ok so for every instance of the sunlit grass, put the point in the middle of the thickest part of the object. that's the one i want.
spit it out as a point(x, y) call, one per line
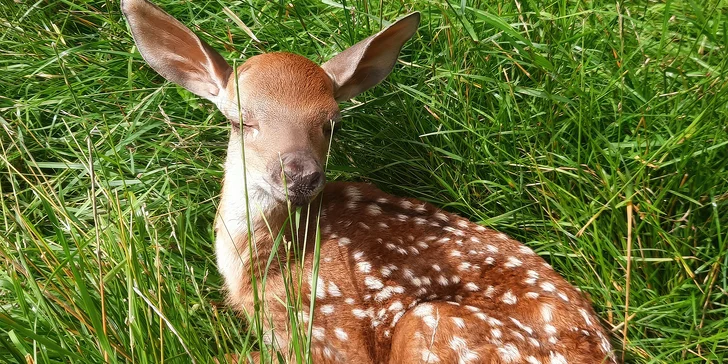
point(551, 121)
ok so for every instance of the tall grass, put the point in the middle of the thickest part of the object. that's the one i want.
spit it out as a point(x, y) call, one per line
point(596, 132)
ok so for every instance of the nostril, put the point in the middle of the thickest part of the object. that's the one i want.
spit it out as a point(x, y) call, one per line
point(314, 179)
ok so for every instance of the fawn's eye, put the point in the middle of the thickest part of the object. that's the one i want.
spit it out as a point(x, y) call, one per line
point(327, 128)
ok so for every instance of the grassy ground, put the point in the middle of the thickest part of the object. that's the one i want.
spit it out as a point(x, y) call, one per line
point(596, 132)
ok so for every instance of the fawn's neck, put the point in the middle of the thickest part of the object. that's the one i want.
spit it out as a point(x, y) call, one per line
point(246, 228)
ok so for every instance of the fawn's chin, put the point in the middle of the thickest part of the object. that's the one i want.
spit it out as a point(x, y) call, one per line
point(296, 199)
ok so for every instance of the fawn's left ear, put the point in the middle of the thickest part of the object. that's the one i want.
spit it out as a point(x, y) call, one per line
point(365, 64)
point(175, 52)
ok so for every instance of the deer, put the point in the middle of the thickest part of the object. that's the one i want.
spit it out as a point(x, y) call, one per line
point(396, 280)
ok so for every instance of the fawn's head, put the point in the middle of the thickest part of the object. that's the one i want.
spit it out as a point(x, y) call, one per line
point(282, 104)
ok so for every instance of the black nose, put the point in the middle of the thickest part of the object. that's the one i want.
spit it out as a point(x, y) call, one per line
point(303, 176)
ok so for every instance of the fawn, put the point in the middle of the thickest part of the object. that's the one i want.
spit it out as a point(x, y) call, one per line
point(399, 281)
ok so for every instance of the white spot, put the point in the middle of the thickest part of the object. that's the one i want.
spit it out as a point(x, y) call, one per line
point(513, 262)
point(463, 224)
point(471, 308)
point(359, 313)
point(384, 294)
point(464, 266)
point(491, 248)
point(530, 281)
point(344, 241)
point(431, 321)
point(509, 353)
point(465, 355)
point(496, 333)
point(522, 326)
point(422, 245)
point(563, 296)
point(489, 291)
point(548, 286)
point(413, 250)
point(494, 322)
point(481, 316)
point(320, 287)
point(396, 317)
point(383, 225)
point(557, 358)
point(525, 250)
point(532, 360)
point(382, 200)
point(502, 236)
point(349, 301)
point(436, 267)
point(401, 251)
point(421, 292)
point(550, 329)
point(443, 281)
point(358, 255)
point(327, 309)
point(429, 357)
point(318, 332)
point(406, 204)
point(456, 254)
point(509, 298)
point(480, 228)
point(364, 226)
point(472, 287)
point(391, 246)
point(455, 279)
point(408, 273)
point(374, 209)
point(489, 260)
point(457, 232)
point(532, 295)
point(353, 192)
point(364, 267)
point(547, 312)
point(334, 290)
point(423, 310)
point(328, 353)
point(585, 315)
point(373, 283)
point(458, 322)
point(534, 342)
point(396, 306)
point(441, 216)
point(553, 339)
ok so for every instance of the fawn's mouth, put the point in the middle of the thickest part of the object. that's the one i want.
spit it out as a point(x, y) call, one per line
point(297, 195)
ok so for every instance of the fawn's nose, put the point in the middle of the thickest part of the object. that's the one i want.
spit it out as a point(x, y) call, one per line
point(301, 174)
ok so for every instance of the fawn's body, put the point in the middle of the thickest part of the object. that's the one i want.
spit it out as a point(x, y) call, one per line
point(404, 282)
point(400, 281)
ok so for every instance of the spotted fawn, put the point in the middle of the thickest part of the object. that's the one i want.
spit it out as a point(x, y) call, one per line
point(400, 281)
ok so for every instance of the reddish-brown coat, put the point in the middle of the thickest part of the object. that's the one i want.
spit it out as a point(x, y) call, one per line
point(402, 278)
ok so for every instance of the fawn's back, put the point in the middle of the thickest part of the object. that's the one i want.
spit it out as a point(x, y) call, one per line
point(399, 281)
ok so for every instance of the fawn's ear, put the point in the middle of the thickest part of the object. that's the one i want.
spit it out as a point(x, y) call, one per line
point(365, 64)
point(175, 52)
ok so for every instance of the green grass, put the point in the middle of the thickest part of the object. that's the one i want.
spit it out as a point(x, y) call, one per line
point(553, 121)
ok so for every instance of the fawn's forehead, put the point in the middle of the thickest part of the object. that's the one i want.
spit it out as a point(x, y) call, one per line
point(288, 81)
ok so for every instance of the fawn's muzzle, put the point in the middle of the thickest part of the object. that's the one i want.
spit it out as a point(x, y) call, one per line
point(300, 176)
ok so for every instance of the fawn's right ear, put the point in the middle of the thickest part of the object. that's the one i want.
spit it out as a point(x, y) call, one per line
point(175, 52)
